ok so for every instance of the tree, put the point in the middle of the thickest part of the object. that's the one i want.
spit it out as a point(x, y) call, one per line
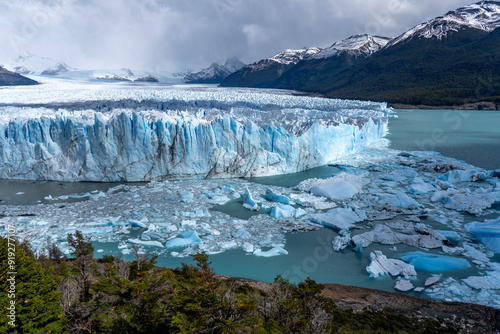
point(80, 245)
point(34, 292)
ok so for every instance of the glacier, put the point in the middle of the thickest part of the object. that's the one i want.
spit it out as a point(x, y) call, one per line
point(91, 133)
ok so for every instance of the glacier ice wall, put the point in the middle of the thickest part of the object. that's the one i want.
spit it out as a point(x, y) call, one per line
point(92, 141)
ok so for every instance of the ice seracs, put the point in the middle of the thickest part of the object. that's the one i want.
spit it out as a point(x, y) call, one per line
point(148, 134)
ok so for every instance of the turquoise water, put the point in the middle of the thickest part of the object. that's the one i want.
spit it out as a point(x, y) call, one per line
point(469, 135)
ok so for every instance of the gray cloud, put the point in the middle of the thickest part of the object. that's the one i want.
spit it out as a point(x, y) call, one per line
point(175, 34)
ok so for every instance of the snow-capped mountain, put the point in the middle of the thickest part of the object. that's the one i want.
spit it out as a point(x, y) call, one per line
point(30, 64)
point(484, 15)
point(358, 45)
point(442, 62)
point(123, 74)
point(215, 73)
point(286, 57)
point(290, 56)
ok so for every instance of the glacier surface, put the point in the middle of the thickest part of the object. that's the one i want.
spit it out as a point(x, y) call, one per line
point(93, 133)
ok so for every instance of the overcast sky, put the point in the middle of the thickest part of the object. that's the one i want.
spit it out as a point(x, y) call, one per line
point(175, 34)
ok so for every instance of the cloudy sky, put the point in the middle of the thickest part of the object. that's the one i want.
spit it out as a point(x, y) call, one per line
point(175, 34)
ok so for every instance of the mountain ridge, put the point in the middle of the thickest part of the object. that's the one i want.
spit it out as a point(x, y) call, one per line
point(449, 60)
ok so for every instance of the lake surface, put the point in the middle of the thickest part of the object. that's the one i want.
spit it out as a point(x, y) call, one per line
point(469, 135)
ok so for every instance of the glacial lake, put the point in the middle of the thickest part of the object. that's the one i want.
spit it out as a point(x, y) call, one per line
point(472, 136)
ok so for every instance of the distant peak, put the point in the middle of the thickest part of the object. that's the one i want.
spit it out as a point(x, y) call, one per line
point(356, 45)
point(483, 15)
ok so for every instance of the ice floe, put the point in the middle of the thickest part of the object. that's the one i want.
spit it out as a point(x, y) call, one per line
point(434, 262)
point(486, 233)
point(380, 265)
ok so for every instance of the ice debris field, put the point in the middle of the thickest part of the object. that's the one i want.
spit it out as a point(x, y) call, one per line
point(439, 215)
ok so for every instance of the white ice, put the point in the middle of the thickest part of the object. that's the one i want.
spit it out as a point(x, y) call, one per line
point(339, 219)
point(380, 265)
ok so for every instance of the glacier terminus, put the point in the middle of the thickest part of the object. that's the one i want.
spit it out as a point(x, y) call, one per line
point(85, 132)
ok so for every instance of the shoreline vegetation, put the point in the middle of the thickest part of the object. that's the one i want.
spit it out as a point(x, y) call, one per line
point(83, 294)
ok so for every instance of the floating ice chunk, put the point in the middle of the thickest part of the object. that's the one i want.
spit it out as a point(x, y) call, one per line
point(242, 234)
point(168, 227)
point(385, 235)
point(286, 211)
point(275, 196)
point(475, 254)
point(454, 176)
point(190, 224)
point(275, 251)
point(340, 218)
point(467, 201)
point(199, 213)
point(231, 244)
point(490, 281)
point(340, 187)
point(145, 243)
point(248, 247)
point(433, 262)
point(248, 202)
point(138, 223)
point(452, 236)
point(419, 186)
point(341, 241)
point(20, 193)
point(403, 285)
point(184, 239)
point(318, 203)
point(399, 200)
point(380, 265)
point(186, 197)
point(432, 280)
point(487, 233)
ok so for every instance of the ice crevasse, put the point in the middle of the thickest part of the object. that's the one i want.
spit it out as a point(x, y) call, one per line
point(130, 144)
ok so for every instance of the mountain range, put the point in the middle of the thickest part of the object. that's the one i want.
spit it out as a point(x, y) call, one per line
point(449, 60)
point(215, 73)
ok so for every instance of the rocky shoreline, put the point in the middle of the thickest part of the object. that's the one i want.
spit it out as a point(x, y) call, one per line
point(464, 317)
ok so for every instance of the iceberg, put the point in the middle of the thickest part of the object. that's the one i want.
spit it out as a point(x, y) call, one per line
point(275, 251)
point(403, 285)
point(286, 211)
point(339, 219)
point(486, 233)
point(417, 235)
point(433, 262)
point(248, 202)
point(184, 239)
point(337, 189)
point(419, 186)
point(275, 196)
point(380, 265)
point(315, 202)
point(454, 176)
point(399, 200)
point(70, 133)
